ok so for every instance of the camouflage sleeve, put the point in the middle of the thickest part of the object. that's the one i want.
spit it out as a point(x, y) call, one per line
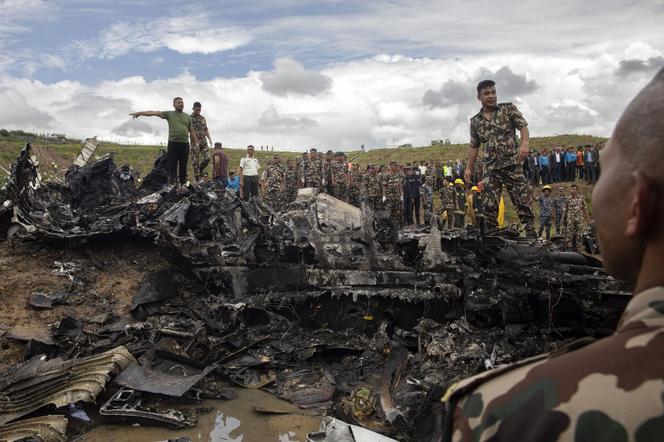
point(474, 136)
point(517, 118)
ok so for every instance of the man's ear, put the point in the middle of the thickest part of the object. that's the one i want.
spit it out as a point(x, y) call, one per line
point(643, 208)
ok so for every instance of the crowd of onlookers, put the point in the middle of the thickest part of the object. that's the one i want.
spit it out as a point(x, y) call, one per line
point(562, 164)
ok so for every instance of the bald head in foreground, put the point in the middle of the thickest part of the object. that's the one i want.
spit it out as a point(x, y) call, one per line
point(612, 389)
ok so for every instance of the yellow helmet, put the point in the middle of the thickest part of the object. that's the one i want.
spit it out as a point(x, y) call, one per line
point(474, 189)
point(459, 181)
point(547, 187)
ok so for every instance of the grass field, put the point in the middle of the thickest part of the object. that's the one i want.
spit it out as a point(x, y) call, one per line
point(141, 157)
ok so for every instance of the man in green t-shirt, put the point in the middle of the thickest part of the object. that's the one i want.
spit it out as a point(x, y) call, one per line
point(180, 130)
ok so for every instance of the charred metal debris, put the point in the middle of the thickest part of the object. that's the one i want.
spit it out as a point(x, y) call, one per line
point(325, 305)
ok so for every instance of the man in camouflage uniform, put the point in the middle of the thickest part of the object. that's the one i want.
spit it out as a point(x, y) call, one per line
point(393, 193)
point(427, 199)
point(447, 203)
point(611, 389)
point(291, 181)
point(339, 177)
point(312, 171)
point(275, 184)
point(373, 189)
point(328, 161)
point(355, 186)
point(494, 127)
point(546, 205)
point(575, 218)
point(199, 151)
point(558, 205)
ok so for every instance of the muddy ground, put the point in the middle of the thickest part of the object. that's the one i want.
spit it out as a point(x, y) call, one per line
point(105, 282)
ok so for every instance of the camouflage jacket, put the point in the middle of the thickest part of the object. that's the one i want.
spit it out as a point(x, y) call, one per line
point(498, 135)
point(559, 205)
point(199, 124)
point(609, 390)
point(393, 185)
point(292, 178)
point(546, 206)
point(427, 196)
point(575, 209)
point(338, 172)
point(274, 176)
point(460, 200)
point(373, 186)
point(446, 197)
point(312, 171)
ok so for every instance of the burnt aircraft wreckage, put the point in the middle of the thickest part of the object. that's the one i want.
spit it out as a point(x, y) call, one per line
point(325, 305)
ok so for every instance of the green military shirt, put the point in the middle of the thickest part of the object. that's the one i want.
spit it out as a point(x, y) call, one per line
point(609, 390)
point(178, 126)
point(498, 135)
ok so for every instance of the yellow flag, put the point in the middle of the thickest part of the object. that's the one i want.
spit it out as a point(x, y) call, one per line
point(501, 212)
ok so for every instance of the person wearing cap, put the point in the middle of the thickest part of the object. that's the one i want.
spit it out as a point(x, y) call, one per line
point(460, 203)
point(475, 212)
point(570, 165)
point(427, 199)
point(249, 166)
point(544, 164)
point(546, 212)
point(590, 162)
point(580, 170)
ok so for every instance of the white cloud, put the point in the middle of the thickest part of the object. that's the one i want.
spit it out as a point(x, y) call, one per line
point(174, 33)
point(290, 77)
point(374, 101)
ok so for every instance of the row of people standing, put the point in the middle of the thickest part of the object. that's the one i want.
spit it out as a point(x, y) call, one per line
point(563, 165)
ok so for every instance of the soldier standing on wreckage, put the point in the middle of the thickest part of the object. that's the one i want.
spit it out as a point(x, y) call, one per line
point(494, 127)
point(447, 203)
point(275, 184)
point(575, 218)
point(180, 131)
point(199, 151)
point(611, 389)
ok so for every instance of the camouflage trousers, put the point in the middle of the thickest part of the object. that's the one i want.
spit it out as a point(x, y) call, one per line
point(428, 213)
point(354, 196)
point(574, 236)
point(199, 159)
point(274, 197)
point(450, 217)
point(339, 191)
point(521, 194)
point(394, 206)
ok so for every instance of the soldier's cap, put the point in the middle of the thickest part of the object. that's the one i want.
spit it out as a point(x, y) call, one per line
point(329, 152)
point(474, 189)
point(547, 187)
point(459, 181)
point(217, 144)
point(313, 150)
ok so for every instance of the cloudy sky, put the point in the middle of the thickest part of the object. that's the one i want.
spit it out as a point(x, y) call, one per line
point(328, 73)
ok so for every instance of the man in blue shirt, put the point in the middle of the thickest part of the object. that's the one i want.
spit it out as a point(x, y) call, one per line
point(233, 183)
point(545, 169)
point(570, 165)
point(590, 161)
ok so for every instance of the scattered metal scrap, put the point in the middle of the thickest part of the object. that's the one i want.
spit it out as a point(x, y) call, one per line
point(42, 429)
point(40, 382)
point(326, 305)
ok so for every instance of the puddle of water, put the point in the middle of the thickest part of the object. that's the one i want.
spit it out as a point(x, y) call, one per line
point(229, 421)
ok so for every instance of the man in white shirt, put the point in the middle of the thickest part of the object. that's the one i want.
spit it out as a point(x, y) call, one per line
point(249, 175)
